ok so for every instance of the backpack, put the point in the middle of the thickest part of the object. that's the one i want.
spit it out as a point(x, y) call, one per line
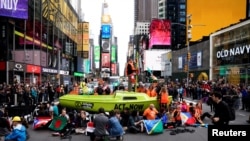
point(231, 110)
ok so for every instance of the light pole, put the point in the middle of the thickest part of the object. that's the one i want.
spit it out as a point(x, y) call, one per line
point(189, 37)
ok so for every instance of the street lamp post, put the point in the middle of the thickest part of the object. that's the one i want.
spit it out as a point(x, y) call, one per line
point(189, 37)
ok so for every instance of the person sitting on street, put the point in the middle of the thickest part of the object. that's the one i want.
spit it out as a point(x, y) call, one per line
point(135, 123)
point(19, 132)
point(82, 123)
point(100, 124)
point(114, 126)
point(151, 112)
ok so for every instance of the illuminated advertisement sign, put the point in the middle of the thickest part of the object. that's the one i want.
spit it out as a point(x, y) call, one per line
point(105, 60)
point(160, 33)
point(15, 9)
point(106, 31)
point(152, 59)
point(113, 54)
point(97, 53)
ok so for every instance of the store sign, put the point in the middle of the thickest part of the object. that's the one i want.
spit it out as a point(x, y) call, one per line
point(64, 72)
point(14, 8)
point(48, 70)
point(240, 50)
point(33, 69)
point(18, 67)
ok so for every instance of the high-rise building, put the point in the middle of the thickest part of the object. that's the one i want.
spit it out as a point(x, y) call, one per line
point(207, 17)
point(145, 10)
point(175, 11)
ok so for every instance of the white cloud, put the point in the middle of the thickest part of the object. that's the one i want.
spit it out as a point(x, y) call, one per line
point(122, 14)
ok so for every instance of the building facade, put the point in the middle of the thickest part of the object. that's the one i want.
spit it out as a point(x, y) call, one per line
point(230, 49)
point(38, 47)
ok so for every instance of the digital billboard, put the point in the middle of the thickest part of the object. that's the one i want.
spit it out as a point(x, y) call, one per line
point(152, 59)
point(160, 33)
point(105, 60)
point(113, 54)
point(106, 31)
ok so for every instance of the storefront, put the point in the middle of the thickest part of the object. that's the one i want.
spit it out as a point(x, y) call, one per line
point(16, 72)
point(230, 50)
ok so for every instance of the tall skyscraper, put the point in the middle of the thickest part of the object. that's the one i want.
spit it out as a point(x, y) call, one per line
point(175, 11)
point(145, 10)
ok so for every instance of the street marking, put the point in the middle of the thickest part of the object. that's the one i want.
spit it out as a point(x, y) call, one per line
point(242, 115)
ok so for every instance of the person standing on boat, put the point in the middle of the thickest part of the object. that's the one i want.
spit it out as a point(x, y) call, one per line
point(130, 72)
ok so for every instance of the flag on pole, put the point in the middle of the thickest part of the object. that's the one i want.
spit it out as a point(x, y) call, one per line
point(58, 123)
point(153, 126)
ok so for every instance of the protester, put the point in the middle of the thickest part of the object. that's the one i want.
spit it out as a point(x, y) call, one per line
point(222, 111)
point(130, 72)
point(19, 131)
point(100, 124)
point(151, 112)
point(114, 126)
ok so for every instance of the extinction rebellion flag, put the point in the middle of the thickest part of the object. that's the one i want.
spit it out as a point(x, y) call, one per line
point(58, 123)
point(153, 126)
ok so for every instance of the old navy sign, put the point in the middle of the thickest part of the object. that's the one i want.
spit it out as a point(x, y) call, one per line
point(240, 50)
point(14, 8)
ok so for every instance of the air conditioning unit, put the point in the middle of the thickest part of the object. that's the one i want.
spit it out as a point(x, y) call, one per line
point(105, 45)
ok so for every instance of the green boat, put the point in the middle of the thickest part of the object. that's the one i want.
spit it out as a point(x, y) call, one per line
point(120, 100)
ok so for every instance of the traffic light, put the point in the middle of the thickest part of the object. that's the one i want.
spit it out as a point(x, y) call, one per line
point(188, 56)
point(185, 68)
point(189, 27)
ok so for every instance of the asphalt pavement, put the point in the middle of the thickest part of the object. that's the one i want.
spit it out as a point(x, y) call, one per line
point(199, 134)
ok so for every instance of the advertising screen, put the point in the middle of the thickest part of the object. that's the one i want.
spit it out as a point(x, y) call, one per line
point(160, 33)
point(113, 54)
point(106, 31)
point(152, 59)
point(105, 60)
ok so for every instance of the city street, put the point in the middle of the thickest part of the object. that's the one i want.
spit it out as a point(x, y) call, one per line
point(200, 133)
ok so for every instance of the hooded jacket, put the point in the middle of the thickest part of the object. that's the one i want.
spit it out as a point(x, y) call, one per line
point(17, 134)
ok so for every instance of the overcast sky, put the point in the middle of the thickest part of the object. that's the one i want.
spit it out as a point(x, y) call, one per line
point(122, 14)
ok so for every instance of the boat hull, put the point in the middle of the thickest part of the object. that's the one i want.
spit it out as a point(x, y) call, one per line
point(120, 100)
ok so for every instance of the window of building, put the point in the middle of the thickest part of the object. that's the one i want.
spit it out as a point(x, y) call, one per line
point(182, 6)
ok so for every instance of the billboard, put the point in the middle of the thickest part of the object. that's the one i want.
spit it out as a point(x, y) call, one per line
point(106, 31)
point(85, 36)
point(97, 51)
point(80, 64)
point(114, 69)
point(152, 59)
point(15, 9)
point(113, 54)
point(160, 33)
point(105, 60)
point(86, 65)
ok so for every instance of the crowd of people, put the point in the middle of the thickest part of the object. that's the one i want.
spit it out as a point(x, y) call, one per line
point(219, 96)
